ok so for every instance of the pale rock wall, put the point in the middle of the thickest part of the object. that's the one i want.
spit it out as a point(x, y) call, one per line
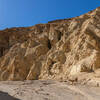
point(55, 50)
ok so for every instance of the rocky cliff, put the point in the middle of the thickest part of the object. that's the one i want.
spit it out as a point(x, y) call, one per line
point(59, 50)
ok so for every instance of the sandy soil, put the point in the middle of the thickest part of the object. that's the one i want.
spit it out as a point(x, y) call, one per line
point(47, 90)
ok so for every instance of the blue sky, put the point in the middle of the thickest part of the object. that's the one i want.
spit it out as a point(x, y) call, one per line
point(23, 13)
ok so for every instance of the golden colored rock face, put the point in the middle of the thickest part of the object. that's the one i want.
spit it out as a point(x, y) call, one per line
point(56, 50)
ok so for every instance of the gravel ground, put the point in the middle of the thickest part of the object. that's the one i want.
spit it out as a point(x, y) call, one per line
point(47, 90)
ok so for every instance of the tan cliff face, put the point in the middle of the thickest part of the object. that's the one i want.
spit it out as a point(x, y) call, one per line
point(56, 50)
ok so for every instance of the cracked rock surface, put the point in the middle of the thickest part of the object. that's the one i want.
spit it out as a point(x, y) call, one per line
point(66, 49)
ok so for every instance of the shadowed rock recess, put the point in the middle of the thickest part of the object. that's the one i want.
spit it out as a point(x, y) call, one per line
point(59, 50)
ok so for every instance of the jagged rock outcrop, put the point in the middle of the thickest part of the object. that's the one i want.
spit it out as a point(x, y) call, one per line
point(56, 50)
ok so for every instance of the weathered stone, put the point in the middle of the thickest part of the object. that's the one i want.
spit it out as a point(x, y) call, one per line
point(55, 50)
